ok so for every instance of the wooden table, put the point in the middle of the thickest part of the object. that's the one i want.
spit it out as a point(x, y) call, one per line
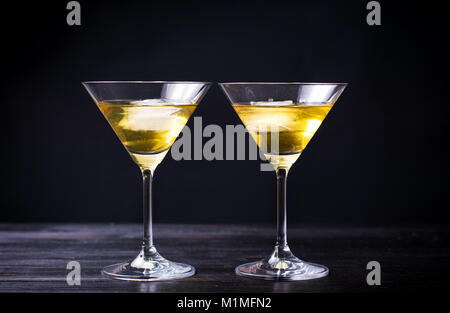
point(33, 257)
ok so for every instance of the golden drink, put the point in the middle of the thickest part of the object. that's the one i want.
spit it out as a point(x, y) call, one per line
point(281, 131)
point(146, 128)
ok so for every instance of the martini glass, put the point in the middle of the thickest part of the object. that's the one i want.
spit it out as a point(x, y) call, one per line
point(282, 118)
point(147, 117)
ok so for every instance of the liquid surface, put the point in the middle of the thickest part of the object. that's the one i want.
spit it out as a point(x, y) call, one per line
point(282, 131)
point(146, 128)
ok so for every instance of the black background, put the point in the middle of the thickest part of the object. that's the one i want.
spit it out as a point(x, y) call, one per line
point(380, 158)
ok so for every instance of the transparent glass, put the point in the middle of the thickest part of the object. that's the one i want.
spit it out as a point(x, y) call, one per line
point(282, 118)
point(147, 117)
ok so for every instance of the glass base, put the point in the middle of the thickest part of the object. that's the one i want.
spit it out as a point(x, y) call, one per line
point(282, 265)
point(148, 266)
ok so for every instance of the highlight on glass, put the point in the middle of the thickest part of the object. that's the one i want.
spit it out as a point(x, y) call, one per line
point(147, 117)
point(282, 118)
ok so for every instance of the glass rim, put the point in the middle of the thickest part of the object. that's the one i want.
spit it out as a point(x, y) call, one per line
point(144, 82)
point(282, 83)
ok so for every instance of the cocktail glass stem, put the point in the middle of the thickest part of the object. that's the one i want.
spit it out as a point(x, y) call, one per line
point(147, 201)
point(281, 208)
point(281, 254)
point(282, 264)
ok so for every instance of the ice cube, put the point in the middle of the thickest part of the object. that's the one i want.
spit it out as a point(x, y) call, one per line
point(272, 103)
point(148, 102)
point(151, 118)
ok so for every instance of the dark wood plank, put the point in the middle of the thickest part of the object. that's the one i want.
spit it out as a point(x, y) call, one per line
point(33, 257)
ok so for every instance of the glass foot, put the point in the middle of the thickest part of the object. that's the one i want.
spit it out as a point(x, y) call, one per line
point(282, 265)
point(148, 266)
